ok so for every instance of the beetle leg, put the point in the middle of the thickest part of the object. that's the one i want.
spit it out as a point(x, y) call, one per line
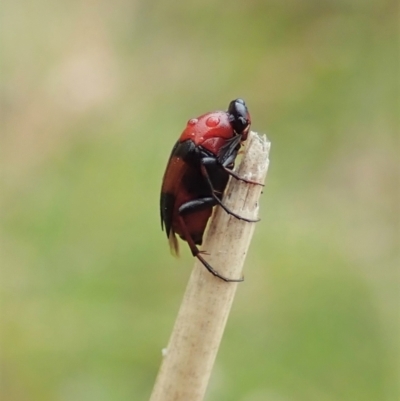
point(228, 161)
point(233, 174)
point(196, 205)
point(193, 206)
point(217, 200)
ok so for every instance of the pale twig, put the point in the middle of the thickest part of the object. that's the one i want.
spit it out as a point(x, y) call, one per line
point(195, 339)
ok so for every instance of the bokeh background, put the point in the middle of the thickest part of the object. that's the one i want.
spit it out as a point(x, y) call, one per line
point(94, 95)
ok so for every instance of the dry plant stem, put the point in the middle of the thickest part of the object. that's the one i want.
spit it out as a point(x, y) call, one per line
point(191, 352)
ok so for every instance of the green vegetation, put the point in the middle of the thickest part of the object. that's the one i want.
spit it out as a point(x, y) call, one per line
point(94, 96)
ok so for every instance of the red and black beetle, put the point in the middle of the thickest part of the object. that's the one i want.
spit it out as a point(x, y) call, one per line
point(197, 173)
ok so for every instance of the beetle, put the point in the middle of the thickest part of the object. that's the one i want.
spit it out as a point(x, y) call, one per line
point(197, 173)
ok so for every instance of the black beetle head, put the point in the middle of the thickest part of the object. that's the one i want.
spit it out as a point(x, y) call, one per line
point(239, 117)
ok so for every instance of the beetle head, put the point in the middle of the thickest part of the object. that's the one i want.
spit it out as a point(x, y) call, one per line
point(239, 117)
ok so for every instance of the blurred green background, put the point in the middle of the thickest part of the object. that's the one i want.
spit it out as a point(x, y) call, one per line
point(94, 95)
